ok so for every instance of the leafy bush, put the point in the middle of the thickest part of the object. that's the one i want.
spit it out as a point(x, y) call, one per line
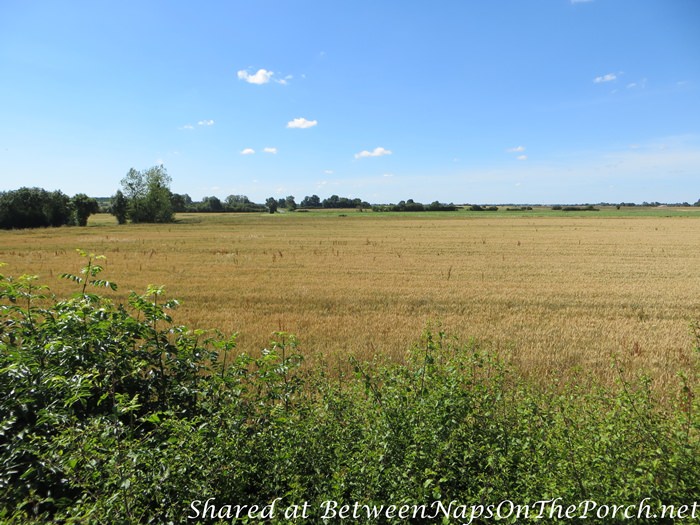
point(111, 413)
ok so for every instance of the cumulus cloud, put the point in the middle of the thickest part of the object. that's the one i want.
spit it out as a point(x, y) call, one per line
point(521, 157)
point(248, 151)
point(517, 149)
point(270, 150)
point(205, 123)
point(301, 123)
point(605, 78)
point(376, 152)
point(262, 76)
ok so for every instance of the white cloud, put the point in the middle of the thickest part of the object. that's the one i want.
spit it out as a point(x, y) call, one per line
point(518, 149)
point(376, 152)
point(328, 172)
point(388, 175)
point(270, 150)
point(187, 126)
point(205, 123)
point(641, 84)
point(605, 78)
point(248, 151)
point(301, 123)
point(263, 76)
point(521, 157)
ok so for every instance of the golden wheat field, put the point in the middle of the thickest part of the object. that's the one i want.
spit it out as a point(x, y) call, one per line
point(559, 296)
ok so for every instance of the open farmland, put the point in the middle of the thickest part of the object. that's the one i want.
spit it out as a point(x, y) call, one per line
point(557, 294)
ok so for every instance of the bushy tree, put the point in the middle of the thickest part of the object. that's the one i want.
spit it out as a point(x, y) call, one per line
point(234, 200)
point(271, 204)
point(311, 202)
point(83, 207)
point(334, 201)
point(148, 195)
point(241, 203)
point(212, 204)
point(119, 206)
point(179, 202)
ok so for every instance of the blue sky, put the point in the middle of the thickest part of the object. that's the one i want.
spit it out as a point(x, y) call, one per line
point(547, 101)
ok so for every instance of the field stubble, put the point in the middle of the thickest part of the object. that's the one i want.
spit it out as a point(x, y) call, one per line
point(558, 296)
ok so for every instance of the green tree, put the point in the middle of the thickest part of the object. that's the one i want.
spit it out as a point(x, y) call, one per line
point(83, 207)
point(148, 195)
point(179, 202)
point(311, 202)
point(233, 200)
point(33, 208)
point(119, 206)
point(290, 204)
point(271, 204)
point(212, 204)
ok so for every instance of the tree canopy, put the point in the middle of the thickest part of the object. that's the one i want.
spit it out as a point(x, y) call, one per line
point(37, 208)
point(148, 196)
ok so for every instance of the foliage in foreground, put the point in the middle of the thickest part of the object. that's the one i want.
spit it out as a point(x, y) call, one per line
point(111, 413)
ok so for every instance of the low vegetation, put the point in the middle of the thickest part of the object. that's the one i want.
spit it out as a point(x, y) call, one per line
point(111, 412)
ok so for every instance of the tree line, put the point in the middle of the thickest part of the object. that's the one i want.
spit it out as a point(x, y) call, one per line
point(145, 197)
point(36, 208)
point(411, 205)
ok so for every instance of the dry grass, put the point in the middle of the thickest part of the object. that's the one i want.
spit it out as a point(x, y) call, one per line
point(558, 295)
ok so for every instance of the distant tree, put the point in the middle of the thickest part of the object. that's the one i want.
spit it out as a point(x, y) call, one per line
point(212, 204)
point(438, 206)
point(33, 208)
point(148, 195)
point(311, 202)
point(271, 204)
point(331, 202)
point(83, 207)
point(411, 205)
point(290, 204)
point(180, 203)
point(233, 200)
point(119, 207)
point(57, 208)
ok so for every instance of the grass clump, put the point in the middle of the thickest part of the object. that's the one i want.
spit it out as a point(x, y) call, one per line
point(113, 413)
